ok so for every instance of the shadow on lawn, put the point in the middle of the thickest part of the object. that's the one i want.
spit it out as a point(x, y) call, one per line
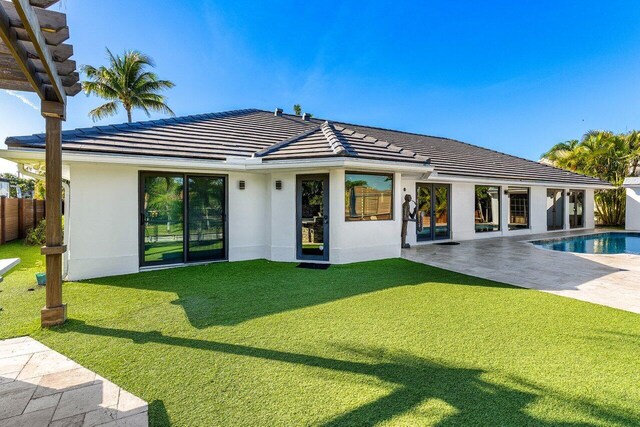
point(474, 400)
point(231, 293)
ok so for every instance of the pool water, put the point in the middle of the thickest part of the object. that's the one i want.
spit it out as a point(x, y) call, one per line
point(601, 243)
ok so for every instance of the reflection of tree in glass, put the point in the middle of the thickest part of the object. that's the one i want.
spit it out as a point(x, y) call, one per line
point(482, 197)
point(163, 199)
point(205, 202)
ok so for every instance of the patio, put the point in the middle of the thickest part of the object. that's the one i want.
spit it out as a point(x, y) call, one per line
point(41, 387)
point(611, 280)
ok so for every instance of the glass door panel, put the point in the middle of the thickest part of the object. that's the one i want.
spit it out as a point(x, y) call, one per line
point(555, 209)
point(313, 208)
point(162, 219)
point(433, 212)
point(206, 218)
point(576, 208)
point(423, 227)
point(441, 212)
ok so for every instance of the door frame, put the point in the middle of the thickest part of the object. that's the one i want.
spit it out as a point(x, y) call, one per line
point(562, 207)
point(185, 223)
point(432, 186)
point(327, 223)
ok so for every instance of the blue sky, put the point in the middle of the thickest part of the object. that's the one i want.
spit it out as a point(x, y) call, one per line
point(512, 76)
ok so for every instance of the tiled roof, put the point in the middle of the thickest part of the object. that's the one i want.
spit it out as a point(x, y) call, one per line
point(258, 133)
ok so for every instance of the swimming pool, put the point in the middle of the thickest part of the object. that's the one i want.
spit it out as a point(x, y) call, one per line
point(600, 243)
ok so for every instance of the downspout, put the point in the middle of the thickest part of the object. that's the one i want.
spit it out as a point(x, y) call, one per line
point(66, 185)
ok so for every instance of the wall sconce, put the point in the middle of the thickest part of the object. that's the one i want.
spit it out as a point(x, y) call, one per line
point(241, 185)
point(278, 185)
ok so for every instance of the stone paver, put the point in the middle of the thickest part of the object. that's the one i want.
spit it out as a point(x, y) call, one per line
point(611, 280)
point(41, 387)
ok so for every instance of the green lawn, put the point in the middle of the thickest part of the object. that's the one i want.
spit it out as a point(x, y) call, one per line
point(380, 343)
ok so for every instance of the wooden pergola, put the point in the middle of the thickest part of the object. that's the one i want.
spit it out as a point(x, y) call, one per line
point(34, 58)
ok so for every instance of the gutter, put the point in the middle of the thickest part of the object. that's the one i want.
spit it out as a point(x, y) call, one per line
point(66, 185)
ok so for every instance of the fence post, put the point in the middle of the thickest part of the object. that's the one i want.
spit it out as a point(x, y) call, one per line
point(21, 233)
point(3, 232)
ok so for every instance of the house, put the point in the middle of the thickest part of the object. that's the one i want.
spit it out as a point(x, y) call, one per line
point(632, 219)
point(250, 184)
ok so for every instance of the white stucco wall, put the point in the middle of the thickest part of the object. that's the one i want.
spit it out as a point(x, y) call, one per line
point(633, 209)
point(102, 221)
point(353, 241)
point(104, 218)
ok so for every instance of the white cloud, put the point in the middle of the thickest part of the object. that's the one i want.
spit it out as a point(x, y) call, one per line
point(23, 99)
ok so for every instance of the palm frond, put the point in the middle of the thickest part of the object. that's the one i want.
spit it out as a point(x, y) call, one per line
point(105, 110)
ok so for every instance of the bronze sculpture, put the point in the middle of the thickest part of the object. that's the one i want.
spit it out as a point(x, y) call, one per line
point(407, 215)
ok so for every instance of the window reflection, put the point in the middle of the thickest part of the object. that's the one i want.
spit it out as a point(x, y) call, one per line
point(487, 208)
point(368, 197)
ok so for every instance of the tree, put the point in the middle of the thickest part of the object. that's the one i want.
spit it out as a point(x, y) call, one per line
point(26, 185)
point(126, 82)
point(605, 155)
point(297, 109)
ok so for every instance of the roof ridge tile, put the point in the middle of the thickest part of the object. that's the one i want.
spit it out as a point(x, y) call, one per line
point(334, 142)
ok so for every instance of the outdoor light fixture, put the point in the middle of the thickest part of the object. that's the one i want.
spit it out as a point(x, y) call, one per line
point(278, 185)
point(241, 185)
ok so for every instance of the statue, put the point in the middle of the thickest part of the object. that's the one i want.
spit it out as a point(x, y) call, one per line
point(407, 215)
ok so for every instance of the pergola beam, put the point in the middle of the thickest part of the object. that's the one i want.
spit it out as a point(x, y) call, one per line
point(64, 68)
point(59, 53)
point(8, 36)
point(30, 22)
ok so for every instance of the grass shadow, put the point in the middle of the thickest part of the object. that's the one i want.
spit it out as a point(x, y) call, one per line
point(231, 293)
point(475, 401)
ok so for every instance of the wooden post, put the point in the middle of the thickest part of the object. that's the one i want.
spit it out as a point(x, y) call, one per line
point(54, 312)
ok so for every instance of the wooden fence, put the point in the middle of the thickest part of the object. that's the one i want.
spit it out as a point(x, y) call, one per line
point(17, 216)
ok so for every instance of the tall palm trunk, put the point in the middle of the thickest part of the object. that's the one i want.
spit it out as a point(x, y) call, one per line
point(129, 114)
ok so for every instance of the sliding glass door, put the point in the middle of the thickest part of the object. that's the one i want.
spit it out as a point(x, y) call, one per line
point(162, 219)
point(206, 214)
point(182, 218)
point(433, 211)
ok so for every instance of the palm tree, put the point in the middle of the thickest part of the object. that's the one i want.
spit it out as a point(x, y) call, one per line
point(604, 155)
point(126, 82)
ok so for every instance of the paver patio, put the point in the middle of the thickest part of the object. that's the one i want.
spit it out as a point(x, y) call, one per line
point(611, 280)
point(41, 387)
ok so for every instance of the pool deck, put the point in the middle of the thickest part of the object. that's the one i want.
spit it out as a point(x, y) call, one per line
point(611, 280)
point(41, 387)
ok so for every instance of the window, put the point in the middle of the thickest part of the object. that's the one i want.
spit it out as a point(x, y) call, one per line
point(368, 197)
point(487, 209)
point(518, 208)
point(576, 208)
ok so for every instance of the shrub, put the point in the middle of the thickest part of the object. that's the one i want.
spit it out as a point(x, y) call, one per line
point(36, 236)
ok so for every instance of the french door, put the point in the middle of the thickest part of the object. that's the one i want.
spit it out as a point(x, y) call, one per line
point(312, 217)
point(182, 218)
point(434, 206)
point(555, 209)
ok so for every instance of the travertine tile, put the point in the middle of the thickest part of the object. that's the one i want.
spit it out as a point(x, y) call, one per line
point(611, 280)
point(14, 397)
point(40, 418)
point(50, 401)
point(46, 362)
point(64, 381)
point(40, 387)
